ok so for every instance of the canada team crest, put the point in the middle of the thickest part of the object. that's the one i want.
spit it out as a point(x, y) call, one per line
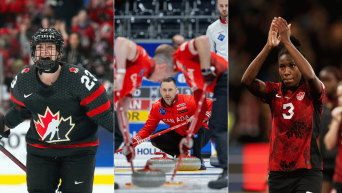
point(53, 128)
point(300, 95)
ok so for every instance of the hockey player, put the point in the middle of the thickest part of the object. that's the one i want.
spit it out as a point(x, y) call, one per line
point(66, 104)
point(200, 66)
point(174, 109)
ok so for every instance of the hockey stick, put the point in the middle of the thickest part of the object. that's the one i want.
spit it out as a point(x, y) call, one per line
point(192, 127)
point(14, 159)
point(123, 126)
point(155, 135)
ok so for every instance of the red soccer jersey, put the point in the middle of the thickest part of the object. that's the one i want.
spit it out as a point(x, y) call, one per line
point(182, 109)
point(187, 61)
point(338, 168)
point(136, 69)
point(295, 128)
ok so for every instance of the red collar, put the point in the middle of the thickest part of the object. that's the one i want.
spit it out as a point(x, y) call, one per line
point(223, 21)
point(164, 104)
point(153, 66)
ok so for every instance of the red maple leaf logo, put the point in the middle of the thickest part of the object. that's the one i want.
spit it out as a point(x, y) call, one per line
point(43, 123)
point(25, 70)
point(75, 70)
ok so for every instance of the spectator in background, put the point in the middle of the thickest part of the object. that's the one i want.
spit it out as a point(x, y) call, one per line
point(49, 17)
point(74, 52)
point(330, 77)
point(332, 140)
point(26, 30)
point(10, 8)
point(83, 26)
point(106, 30)
point(101, 10)
point(3, 51)
point(218, 31)
point(101, 69)
point(103, 49)
point(177, 40)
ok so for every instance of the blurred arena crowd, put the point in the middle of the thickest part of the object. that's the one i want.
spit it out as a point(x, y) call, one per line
point(318, 26)
point(86, 26)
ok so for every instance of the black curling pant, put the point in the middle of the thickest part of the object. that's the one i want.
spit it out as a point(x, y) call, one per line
point(118, 138)
point(218, 122)
point(169, 142)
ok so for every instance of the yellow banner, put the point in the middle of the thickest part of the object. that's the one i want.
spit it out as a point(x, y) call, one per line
point(21, 179)
point(134, 116)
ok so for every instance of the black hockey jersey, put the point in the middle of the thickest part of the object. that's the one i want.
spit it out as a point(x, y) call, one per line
point(65, 115)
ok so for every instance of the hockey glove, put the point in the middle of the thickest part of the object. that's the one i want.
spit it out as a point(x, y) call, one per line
point(129, 152)
point(185, 146)
point(2, 128)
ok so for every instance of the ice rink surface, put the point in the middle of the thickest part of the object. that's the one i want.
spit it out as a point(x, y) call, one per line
point(196, 181)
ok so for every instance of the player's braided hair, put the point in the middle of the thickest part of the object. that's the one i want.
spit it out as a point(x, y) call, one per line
point(283, 51)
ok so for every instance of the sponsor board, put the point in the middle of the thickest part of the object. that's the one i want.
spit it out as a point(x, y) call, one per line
point(143, 151)
point(138, 104)
point(137, 116)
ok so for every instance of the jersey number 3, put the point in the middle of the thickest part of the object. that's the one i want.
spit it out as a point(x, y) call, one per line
point(85, 80)
point(290, 111)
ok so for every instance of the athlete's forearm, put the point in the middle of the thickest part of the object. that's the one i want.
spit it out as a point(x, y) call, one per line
point(13, 117)
point(202, 44)
point(304, 67)
point(331, 138)
point(124, 49)
point(253, 69)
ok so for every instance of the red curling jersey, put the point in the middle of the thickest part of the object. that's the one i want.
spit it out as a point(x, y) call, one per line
point(187, 61)
point(136, 69)
point(338, 168)
point(295, 128)
point(182, 108)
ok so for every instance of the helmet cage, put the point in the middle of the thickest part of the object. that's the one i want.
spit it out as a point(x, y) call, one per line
point(47, 35)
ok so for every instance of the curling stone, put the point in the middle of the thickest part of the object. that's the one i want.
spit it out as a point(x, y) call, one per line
point(148, 177)
point(189, 163)
point(214, 160)
point(164, 163)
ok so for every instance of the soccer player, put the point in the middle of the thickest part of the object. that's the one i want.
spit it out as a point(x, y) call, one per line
point(330, 76)
point(174, 109)
point(66, 104)
point(131, 65)
point(218, 31)
point(200, 66)
point(295, 163)
point(333, 140)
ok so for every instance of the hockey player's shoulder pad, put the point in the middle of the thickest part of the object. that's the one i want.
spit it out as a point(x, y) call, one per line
point(22, 79)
